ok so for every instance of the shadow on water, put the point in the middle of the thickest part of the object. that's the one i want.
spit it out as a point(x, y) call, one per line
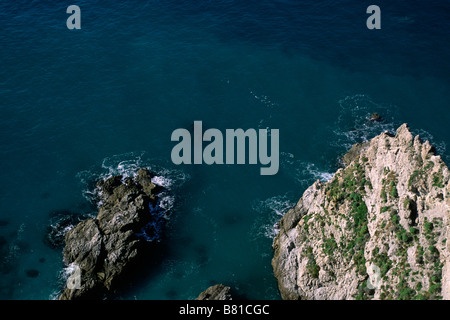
point(140, 273)
point(4, 222)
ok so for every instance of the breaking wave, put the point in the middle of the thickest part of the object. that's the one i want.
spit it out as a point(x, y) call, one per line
point(304, 173)
point(354, 125)
point(269, 213)
point(127, 166)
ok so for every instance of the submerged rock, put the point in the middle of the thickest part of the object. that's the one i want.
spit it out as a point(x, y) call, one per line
point(216, 292)
point(104, 248)
point(4, 247)
point(32, 273)
point(379, 229)
point(375, 117)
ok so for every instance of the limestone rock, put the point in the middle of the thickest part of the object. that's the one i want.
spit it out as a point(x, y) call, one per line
point(354, 152)
point(378, 229)
point(216, 292)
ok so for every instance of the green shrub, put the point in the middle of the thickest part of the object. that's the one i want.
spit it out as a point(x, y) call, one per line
point(433, 250)
point(406, 237)
point(383, 195)
point(438, 180)
point(435, 288)
point(406, 294)
point(419, 286)
point(394, 193)
point(393, 187)
point(420, 297)
point(416, 174)
point(428, 227)
point(384, 209)
point(313, 269)
point(329, 246)
point(396, 219)
point(429, 165)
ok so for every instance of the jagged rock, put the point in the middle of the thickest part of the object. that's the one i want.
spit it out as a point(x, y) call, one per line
point(60, 222)
point(378, 229)
point(108, 186)
point(104, 248)
point(216, 292)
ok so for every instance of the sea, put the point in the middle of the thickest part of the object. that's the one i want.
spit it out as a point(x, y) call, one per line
point(79, 105)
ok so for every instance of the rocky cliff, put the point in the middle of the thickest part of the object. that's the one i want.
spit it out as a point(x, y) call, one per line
point(378, 229)
point(99, 251)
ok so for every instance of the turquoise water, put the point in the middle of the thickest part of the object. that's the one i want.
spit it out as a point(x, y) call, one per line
point(79, 105)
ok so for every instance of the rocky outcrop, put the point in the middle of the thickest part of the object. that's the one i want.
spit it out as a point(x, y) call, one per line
point(375, 117)
point(60, 222)
point(102, 249)
point(379, 229)
point(216, 292)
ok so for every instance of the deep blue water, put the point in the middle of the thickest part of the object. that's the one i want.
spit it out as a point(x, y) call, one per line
point(82, 104)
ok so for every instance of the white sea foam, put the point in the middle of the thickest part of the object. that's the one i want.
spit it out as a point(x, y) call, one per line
point(162, 181)
point(269, 212)
point(167, 203)
point(127, 165)
point(305, 173)
point(265, 100)
point(63, 231)
point(63, 276)
point(170, 179)
point(353, 123)
point(312, 170)
point(69, 270)
point(277, 205)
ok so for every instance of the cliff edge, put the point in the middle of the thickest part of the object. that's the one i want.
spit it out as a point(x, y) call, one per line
point(378, 229)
